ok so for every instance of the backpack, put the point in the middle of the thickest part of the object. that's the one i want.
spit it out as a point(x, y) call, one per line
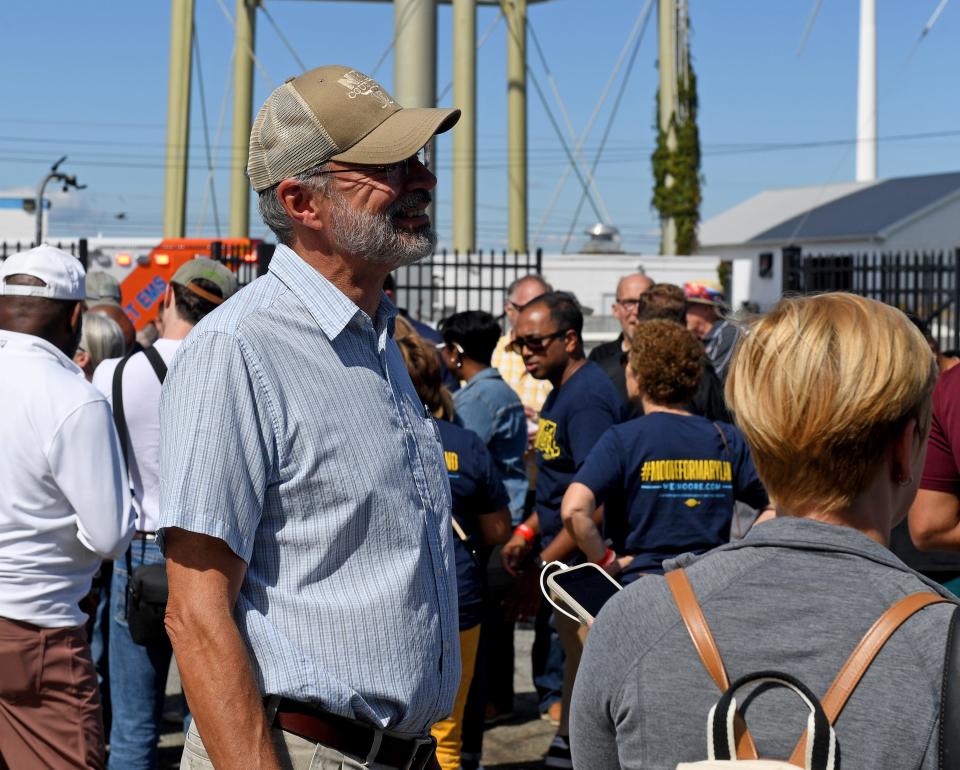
point(822, 753)
point(728, 739)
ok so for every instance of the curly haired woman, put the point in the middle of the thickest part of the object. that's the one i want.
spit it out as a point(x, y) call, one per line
point(668, 480)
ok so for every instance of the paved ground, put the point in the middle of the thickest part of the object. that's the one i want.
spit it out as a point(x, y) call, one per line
point(515, 745)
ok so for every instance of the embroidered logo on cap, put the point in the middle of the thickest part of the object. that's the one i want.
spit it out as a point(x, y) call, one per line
point(358, 84)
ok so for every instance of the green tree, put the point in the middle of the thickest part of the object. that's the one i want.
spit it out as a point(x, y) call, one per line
point(680, 200)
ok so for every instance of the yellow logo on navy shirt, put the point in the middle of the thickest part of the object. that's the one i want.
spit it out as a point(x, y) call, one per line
point(686, 470)
point(691, 503)
point(546, 440)
point(453, 461)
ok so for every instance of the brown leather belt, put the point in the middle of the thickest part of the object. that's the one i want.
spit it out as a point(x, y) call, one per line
point(349, 736)
point(148, 536)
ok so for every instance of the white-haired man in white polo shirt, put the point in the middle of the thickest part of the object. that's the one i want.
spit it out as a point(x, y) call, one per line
point(65, 506)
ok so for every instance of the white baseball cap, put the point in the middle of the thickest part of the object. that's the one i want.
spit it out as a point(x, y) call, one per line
point(62, 274)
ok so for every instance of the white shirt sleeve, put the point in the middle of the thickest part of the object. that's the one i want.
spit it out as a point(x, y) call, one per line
point(86, 461)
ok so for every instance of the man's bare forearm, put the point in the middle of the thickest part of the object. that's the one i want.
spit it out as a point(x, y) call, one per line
point(205, 578)
point(223, 697)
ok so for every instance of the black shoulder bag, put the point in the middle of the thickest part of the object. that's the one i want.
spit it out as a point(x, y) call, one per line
point(949, 742)
point(146, 599)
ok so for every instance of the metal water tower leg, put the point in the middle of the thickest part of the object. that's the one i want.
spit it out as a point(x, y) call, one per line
point(516, 12)
point(178, 118)
point(244, 46)
point(415, 56)
point(667, 64)
point(867, 94)
point(465, 132)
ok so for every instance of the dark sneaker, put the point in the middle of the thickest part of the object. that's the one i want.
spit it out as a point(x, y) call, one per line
point(558, 755)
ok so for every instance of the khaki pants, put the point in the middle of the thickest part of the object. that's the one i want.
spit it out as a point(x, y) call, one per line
point(49, 702)
point(572, 636)
point(294, 752)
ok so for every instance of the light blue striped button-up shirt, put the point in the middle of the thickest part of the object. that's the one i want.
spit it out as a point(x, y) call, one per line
point(290, 430)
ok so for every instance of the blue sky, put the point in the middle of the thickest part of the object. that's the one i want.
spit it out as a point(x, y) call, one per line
point(89, 80)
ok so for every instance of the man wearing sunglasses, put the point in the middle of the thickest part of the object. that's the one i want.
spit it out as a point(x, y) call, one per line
point(305, 510)
point(581, 406)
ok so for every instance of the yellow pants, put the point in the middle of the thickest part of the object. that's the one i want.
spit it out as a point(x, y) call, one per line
point(447, 732)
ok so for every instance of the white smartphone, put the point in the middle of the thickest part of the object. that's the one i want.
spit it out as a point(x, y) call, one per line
point(584, 589)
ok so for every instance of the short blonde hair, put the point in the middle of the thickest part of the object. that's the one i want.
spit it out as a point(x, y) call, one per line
point(820, 387)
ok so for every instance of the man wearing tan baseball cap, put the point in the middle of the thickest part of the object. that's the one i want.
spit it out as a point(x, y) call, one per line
point(304, 509)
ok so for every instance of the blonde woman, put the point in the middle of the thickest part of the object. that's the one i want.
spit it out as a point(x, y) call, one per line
point(832, 394)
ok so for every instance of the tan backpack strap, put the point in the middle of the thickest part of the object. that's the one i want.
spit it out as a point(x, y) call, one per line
point(706, 647)
point(859, 661)
point(697, 627)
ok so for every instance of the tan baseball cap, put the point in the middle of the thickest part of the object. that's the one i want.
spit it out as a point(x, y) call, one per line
point(336, 113)
point(211, 270)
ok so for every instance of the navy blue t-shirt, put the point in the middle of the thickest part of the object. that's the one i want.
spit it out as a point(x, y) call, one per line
point(476, 489)
point(573, 418)
point(669, 483)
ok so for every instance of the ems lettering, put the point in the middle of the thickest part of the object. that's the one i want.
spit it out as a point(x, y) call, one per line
point(152, 292)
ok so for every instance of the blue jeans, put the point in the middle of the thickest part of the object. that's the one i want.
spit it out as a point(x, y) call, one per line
point(138, 675)
point(547, 658)
point(100, 643)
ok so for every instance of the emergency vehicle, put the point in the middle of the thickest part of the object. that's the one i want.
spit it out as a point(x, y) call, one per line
point(144, 273)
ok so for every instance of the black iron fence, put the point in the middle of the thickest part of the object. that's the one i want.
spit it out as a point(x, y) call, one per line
point(449, 282)
point(78, 248)
point(247, 263)
point(924, 283)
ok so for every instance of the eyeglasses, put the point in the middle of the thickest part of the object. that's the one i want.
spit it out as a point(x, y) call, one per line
point(401, 167)
point(514, 306)
point(535, 344)
point(629, 304)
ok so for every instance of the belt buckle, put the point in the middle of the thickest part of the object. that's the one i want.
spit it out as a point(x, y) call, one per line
point(418, 757)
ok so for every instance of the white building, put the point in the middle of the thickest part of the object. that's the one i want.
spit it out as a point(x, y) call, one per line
point(18, 218)
point(889, 215)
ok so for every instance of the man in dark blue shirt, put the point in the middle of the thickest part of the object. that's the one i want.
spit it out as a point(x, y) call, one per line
point(579, 409)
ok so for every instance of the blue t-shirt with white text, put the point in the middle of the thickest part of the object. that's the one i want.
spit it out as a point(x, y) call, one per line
point(668, 483)
point(573, 418)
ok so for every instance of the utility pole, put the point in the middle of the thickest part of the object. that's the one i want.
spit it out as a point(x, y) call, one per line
point(667, 63)
point(244, 43)
point(867, 94)
point(178, 119)
point(415, 58)
point(465, 132)
point(516, 18)
point(69, 180)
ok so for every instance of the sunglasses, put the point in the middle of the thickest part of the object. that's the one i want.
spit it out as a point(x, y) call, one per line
point(535, 344)
point(401, 167)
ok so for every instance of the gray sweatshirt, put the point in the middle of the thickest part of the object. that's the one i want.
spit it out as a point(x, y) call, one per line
point(794, 596)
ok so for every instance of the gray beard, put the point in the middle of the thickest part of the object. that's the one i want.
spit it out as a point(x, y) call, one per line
point(374, 237)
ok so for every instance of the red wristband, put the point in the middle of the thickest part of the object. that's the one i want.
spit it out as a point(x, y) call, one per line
point(525, 532)
point(607, 559)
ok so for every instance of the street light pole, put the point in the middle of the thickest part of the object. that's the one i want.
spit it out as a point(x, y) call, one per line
point(69, 180)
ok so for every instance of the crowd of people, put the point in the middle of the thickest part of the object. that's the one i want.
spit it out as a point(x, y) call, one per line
point(333, 514)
